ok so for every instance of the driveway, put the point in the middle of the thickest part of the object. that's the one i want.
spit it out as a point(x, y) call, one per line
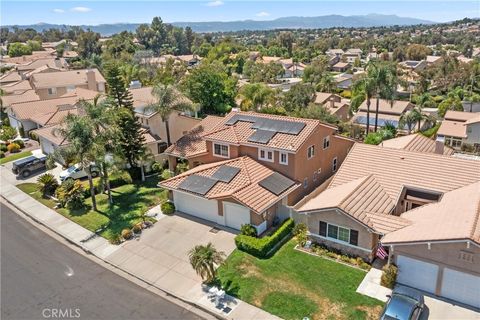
point(160, 255)
point(438, 309)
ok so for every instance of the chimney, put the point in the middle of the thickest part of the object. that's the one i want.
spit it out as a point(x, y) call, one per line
point(91, 82)
point(439, 145)
point(332, 103)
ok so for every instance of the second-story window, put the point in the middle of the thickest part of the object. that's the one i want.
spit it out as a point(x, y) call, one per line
point(266, 155)
point(52, 91)
point(310, 152)
point(220, 150)
point(283, 158)
point(326, 142)
point(334, 164)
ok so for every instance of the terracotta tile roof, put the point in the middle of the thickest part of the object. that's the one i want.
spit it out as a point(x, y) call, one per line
point(456, 217)
point(11, 76)
point(341, 65)
point(193, 144)
point(17, 87)
point(81, 93)
point(385, 223)
point(48, 62)
point(452, 129)
point(385, 106)
point(55, 117)
point(64, 78)
point(25, 96)
point(52, 134)
point(460, 116)
point(239, 132)
point(415, 142)
point(244, 187)
point(322, 97)
point(473, 120)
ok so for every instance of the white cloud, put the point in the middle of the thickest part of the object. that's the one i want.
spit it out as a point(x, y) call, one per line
point(81, 9)
point(58, 10)
point(215, 3)
point(263, 14)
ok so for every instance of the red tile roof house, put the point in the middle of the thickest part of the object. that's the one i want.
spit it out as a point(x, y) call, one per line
point(300, 152)
point(424, 206)
point(459, 129)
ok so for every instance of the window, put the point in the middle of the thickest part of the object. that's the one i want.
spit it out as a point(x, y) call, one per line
point(146, 122)
point(335, 232)
point(305, 183)
point(326, 142)
point(334, 164)
point(221, 150)
point(283, 158)
point(161, 146)
point(266, 155)
point(52, 91)
point(310, 152)
point(70, 88)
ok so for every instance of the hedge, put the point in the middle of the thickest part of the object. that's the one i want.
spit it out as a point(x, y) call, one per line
point(260, 247)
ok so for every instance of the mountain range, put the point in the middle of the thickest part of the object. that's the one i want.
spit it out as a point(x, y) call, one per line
point(319, 22)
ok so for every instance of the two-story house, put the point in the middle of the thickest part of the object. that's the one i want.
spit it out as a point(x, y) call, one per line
point(334, 103)
point(304, 152)
point(460, 129)
point(423, 206)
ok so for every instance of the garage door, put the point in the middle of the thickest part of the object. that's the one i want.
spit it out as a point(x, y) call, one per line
point(196, 206)
point(417, 274)
point(235, 215)
point(461, 287)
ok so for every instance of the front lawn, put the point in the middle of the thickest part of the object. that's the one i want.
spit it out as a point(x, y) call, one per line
point(129, 202)
point(15, 156)
point(293, 285)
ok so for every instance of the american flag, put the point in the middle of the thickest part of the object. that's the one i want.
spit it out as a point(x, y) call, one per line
point(381, 252)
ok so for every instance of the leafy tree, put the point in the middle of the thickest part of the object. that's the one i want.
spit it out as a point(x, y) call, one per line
point(298, 97)
point(88, 44)
point(204, 259)
point(168, 100)
point(35, 45)
point(417, 52)
point(410, 118)
point(286, 40)
point(450, 103)
point(189, 37)
point(327, 83)
point(18, 49)
point(255, 96)
point(70, 194)
point(314, 111)
point(315, 71)
point(263, 72)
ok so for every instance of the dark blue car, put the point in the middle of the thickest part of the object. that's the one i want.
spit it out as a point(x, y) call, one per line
point(404, 304)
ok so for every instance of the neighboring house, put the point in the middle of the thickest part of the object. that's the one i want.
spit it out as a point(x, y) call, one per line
point(341, 66)
point(419, 143)
point(388, 112)
point(49, 53)
point(52, 63)
point(304, 150)
point(294, 70)
point(232, 193)
point(377, 190)
point(28, 95)
point(55, 84)
point(333, 59)
point(459, 129)
point(191, 60)
point(335, 52)
point(433, 60)
point(16, 87)
point(334, 103)
point(471, 106)
point(413, 65)
point(344, 80)
point(10, 77)
point(50, 138)
point(438, 250)
point(351, 55)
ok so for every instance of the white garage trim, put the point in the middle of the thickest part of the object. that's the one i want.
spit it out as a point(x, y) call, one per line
point(235, 215)
point(461, 287)
point(417, 274)
point(196, 206)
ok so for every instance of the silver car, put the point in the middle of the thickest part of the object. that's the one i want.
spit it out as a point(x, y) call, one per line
point(404, 304)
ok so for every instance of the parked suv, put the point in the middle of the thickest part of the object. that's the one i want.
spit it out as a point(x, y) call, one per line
point(26, 166)
point(75, 172)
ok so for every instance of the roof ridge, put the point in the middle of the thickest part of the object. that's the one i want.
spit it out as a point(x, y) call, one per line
point(477, 220)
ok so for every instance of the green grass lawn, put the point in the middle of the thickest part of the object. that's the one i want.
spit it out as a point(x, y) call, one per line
point(15, 156)
point(130, 201)
point(293, 285)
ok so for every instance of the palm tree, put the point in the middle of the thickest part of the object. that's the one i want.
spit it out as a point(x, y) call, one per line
point(169, 99)
point(327, 83)
point(364, 89)
point(410, 118)
point(255, 96)
point(204, 258)
point(385, 82)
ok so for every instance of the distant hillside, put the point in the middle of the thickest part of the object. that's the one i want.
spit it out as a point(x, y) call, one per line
point(329, 21)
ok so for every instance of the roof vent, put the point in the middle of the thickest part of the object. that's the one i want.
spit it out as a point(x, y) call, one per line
point(402, 158)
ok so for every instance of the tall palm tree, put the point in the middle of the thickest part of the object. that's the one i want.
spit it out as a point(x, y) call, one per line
point(168, 100)
point(364, 89)
point(204, 259)
point(385, 83)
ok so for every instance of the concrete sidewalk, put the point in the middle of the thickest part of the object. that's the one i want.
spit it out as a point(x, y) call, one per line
point(183, 283)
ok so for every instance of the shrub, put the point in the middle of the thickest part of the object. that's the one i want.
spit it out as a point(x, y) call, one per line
point(116, 239)
point(47, 184)
point(374, 138)
point(248, 230)
point(127, 234)
point(70, 194)
point(181, 167)
point(137, 228)
point(389, 276)
point(2, 154)
point(7, 133)
point(3, 147)
point(120, 178)
point(33, 136)
point(13, 148)
point(261, 247)
point(168, 208)
point(166, 174)
point(20, 143)
point(157, 167)
point(299, 228)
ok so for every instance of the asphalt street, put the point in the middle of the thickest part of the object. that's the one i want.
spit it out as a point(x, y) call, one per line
point(43, 279)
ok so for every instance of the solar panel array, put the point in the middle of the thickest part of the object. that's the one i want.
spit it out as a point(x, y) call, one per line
point(197, 184)
point(225, 173)
point(276, 183)
point(381, 122)
point(267, 128)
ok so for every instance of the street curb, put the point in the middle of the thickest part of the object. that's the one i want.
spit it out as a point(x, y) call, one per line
point(88, 251)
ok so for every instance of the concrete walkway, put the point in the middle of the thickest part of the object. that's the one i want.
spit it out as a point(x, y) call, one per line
point(370, 286)
point(181, 282)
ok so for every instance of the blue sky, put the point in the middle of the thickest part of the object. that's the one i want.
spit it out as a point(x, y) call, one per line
point(96, 12)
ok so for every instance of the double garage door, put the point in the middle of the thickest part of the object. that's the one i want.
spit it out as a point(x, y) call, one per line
point(456, 285)
point(234, 215)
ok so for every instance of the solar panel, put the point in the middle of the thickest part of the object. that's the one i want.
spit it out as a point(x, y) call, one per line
point(261, 136)
point(225, 173)
point(267, 124)
point(197, 184)
point(241, 117)
point(276, 183)
point(381, 122)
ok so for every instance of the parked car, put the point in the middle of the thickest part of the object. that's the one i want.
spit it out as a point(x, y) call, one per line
point(404, 304)
point(26, 166)
point(76, 172)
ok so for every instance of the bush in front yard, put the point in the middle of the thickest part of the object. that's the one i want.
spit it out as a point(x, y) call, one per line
point(20, 143)
point(260, 247)
point(2, 154)
point(168, 208)
point(70, 194)
point(389, 276)
point(120, 178)
point(248, 230)
point(127, 234)
point(299, 229)
point(47, 184)
point(3, 147)
point(13, 148)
